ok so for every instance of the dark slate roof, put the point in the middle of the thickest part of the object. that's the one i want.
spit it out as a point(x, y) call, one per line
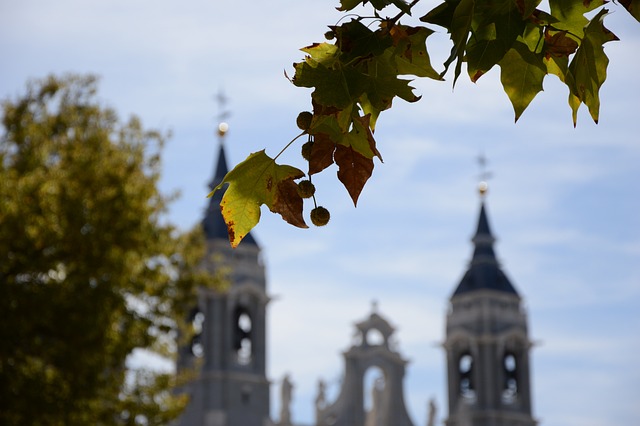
point(213, 223)
point(484, 272)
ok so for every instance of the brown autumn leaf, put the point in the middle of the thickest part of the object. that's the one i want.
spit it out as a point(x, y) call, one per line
point(321, 153)
point(558, 44)
point(354, 170)
point(288, 203)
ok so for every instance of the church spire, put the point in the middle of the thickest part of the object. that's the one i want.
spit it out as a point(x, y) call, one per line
point(213, 223)
point(484, 272)
point(487, 341)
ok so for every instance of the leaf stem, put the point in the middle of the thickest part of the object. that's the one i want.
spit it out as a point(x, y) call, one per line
point(288, 145)
point(359, 18)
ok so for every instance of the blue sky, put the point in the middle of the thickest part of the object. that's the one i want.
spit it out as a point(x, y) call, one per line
point(563, 202)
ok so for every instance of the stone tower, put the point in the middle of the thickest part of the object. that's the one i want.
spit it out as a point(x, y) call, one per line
point(231, 388)
point(487, 343)
point(372, 348)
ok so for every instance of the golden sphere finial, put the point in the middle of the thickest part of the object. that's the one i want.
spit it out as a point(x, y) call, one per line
point(223, 128)
point(483, 187)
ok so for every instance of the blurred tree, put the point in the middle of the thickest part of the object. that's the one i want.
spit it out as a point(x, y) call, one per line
point(89, 269)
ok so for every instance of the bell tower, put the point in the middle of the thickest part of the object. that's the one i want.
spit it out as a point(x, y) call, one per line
point(373, 348)
point(487, 344)
point(229, 348)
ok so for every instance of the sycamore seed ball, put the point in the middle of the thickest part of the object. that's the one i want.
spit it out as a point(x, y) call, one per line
point(320, 216)
point(306, 189)
point(306, 150)
point(304, 120)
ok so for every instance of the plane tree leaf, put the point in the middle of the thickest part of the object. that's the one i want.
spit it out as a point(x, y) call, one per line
point(570, 15)
point(484, 51)
point(258, 181)
point(383, 85)
point(460, 27)
point(323, 53)
point(333, 87)
point(410, 54)
point(522, 72)
point(357, 41)
point(494, 33)
point(321, 154)
point(354, 170)
point(559, 44)
point(588, 69)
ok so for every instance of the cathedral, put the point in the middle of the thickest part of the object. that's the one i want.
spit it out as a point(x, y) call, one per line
point(486, 346)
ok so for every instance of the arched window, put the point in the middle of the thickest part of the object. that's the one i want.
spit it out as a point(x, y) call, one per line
point(465, 370)
point(195, 346)
point(375, 337)
point(374, 385)
point(510, 373)
point(242, 341)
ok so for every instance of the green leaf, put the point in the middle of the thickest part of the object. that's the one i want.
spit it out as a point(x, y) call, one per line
point(333, 87)
point(574, 103)
point(323, 53)
point(441, 15)
point(369, 110)
point(483, 52)
point(460, 28)
point(588, 69)
point(410, 52)
point(570, 14)
point(356, 40)
point(256, 181)
point(557, 65)
point(383, 85)
point(329, 125)
point(361, 139)
point(496, 28)
point(522, 72)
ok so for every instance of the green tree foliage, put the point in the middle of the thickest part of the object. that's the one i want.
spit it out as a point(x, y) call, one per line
point(358, 71)
point(89, 269)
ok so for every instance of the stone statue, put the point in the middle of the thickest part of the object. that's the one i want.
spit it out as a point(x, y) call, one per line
point(433, 409)
point(285, 410)
point(321, 400)
point(376, 416)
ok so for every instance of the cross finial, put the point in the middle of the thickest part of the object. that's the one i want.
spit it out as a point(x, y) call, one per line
point(484, 175)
